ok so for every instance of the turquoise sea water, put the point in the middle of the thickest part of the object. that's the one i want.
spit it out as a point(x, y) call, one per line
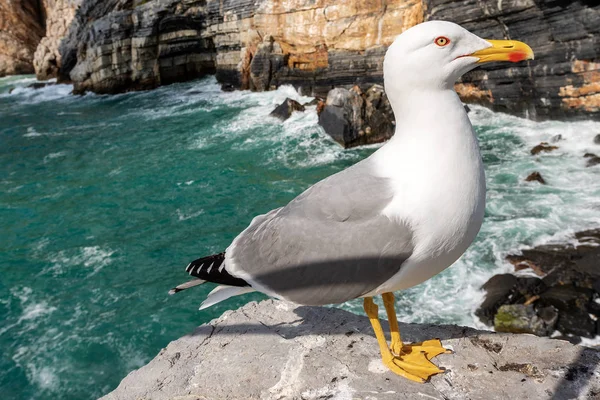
point(105, 199)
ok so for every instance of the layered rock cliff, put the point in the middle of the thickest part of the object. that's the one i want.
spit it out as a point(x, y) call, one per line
point(317, 45)
point(272, 350)
point(118, 45)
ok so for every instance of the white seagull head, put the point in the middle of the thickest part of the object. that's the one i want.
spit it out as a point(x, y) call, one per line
point(434, 54)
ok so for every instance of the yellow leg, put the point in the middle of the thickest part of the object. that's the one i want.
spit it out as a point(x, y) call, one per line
point(412, 361)
point(431, 347)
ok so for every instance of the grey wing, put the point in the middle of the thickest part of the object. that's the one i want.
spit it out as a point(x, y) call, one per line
point(328, 245)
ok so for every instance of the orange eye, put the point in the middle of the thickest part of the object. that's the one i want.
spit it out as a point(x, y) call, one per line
point(441, 41)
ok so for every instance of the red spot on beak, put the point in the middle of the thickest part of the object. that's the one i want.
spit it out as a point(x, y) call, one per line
point(516, 56)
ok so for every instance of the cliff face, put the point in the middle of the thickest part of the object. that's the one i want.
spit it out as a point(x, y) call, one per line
point(30, 34)
point(252, 45)
point(21, 28)
point(120, 45)
point(47, 59)
point(562, 82)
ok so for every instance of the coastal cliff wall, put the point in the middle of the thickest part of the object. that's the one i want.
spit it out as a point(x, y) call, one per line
point(318, 45)
point(114, 46)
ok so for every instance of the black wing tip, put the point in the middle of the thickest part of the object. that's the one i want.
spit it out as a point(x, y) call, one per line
point(211, 269)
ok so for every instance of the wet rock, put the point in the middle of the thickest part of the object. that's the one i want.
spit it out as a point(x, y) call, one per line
point(467, 108)
point(542, 147)
point(285, 109)
point(519, 318)
point(535, 177)
point(556, 138)
point(597, 139)
point(40, 85)
point(353, 118)
point(592, 160)
point(570, 285)
point(227, 87)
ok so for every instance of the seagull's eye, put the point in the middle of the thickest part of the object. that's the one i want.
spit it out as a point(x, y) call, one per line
point(441, 41)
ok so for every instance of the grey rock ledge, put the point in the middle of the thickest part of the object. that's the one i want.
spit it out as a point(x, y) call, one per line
point(274, 350)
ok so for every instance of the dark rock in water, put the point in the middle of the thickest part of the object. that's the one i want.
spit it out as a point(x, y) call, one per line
point(542, 147)
point(40, 85)
point(569, 288)
point(285, 109)
point(520, 318)
point(597, 139)
point(353, 118)
point(535, 176)
point(467, 108)
point(227, 87)
point(556, 138)
point(592, 160)
point(268, 58)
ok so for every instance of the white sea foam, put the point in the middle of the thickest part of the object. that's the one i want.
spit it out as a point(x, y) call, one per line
point(91, 257)
point(182, 216)
point(26, 95)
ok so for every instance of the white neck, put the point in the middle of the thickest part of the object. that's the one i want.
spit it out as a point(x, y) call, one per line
point(435, 167)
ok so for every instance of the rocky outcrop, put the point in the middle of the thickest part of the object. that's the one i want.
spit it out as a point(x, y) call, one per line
point(22, 25)
point(47, 60)
point(353, 118)
point(273, 350)
point(564, 296)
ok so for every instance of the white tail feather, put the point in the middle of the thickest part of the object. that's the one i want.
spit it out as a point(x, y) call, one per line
point(187, 285)
point(221, 293)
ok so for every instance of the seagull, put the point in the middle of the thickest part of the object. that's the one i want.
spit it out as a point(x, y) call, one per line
point(390, 221)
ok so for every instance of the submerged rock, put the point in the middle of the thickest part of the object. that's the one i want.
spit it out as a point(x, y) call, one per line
point(353, 118)
point(535, 176)
point(285, 109)
point(597, 139)
point(274, 350)
point(542, 147)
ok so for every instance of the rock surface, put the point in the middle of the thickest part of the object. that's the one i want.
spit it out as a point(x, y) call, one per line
point(285, 109)
point(272, 350)
point(535, 177)
point(47, 60)
point(565, 296)
point(353, 118)
point(21, 28)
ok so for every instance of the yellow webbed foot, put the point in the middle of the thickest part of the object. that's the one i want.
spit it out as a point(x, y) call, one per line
point(411, 361)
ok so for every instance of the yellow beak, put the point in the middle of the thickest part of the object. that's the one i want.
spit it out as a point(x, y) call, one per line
point(504, 50)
